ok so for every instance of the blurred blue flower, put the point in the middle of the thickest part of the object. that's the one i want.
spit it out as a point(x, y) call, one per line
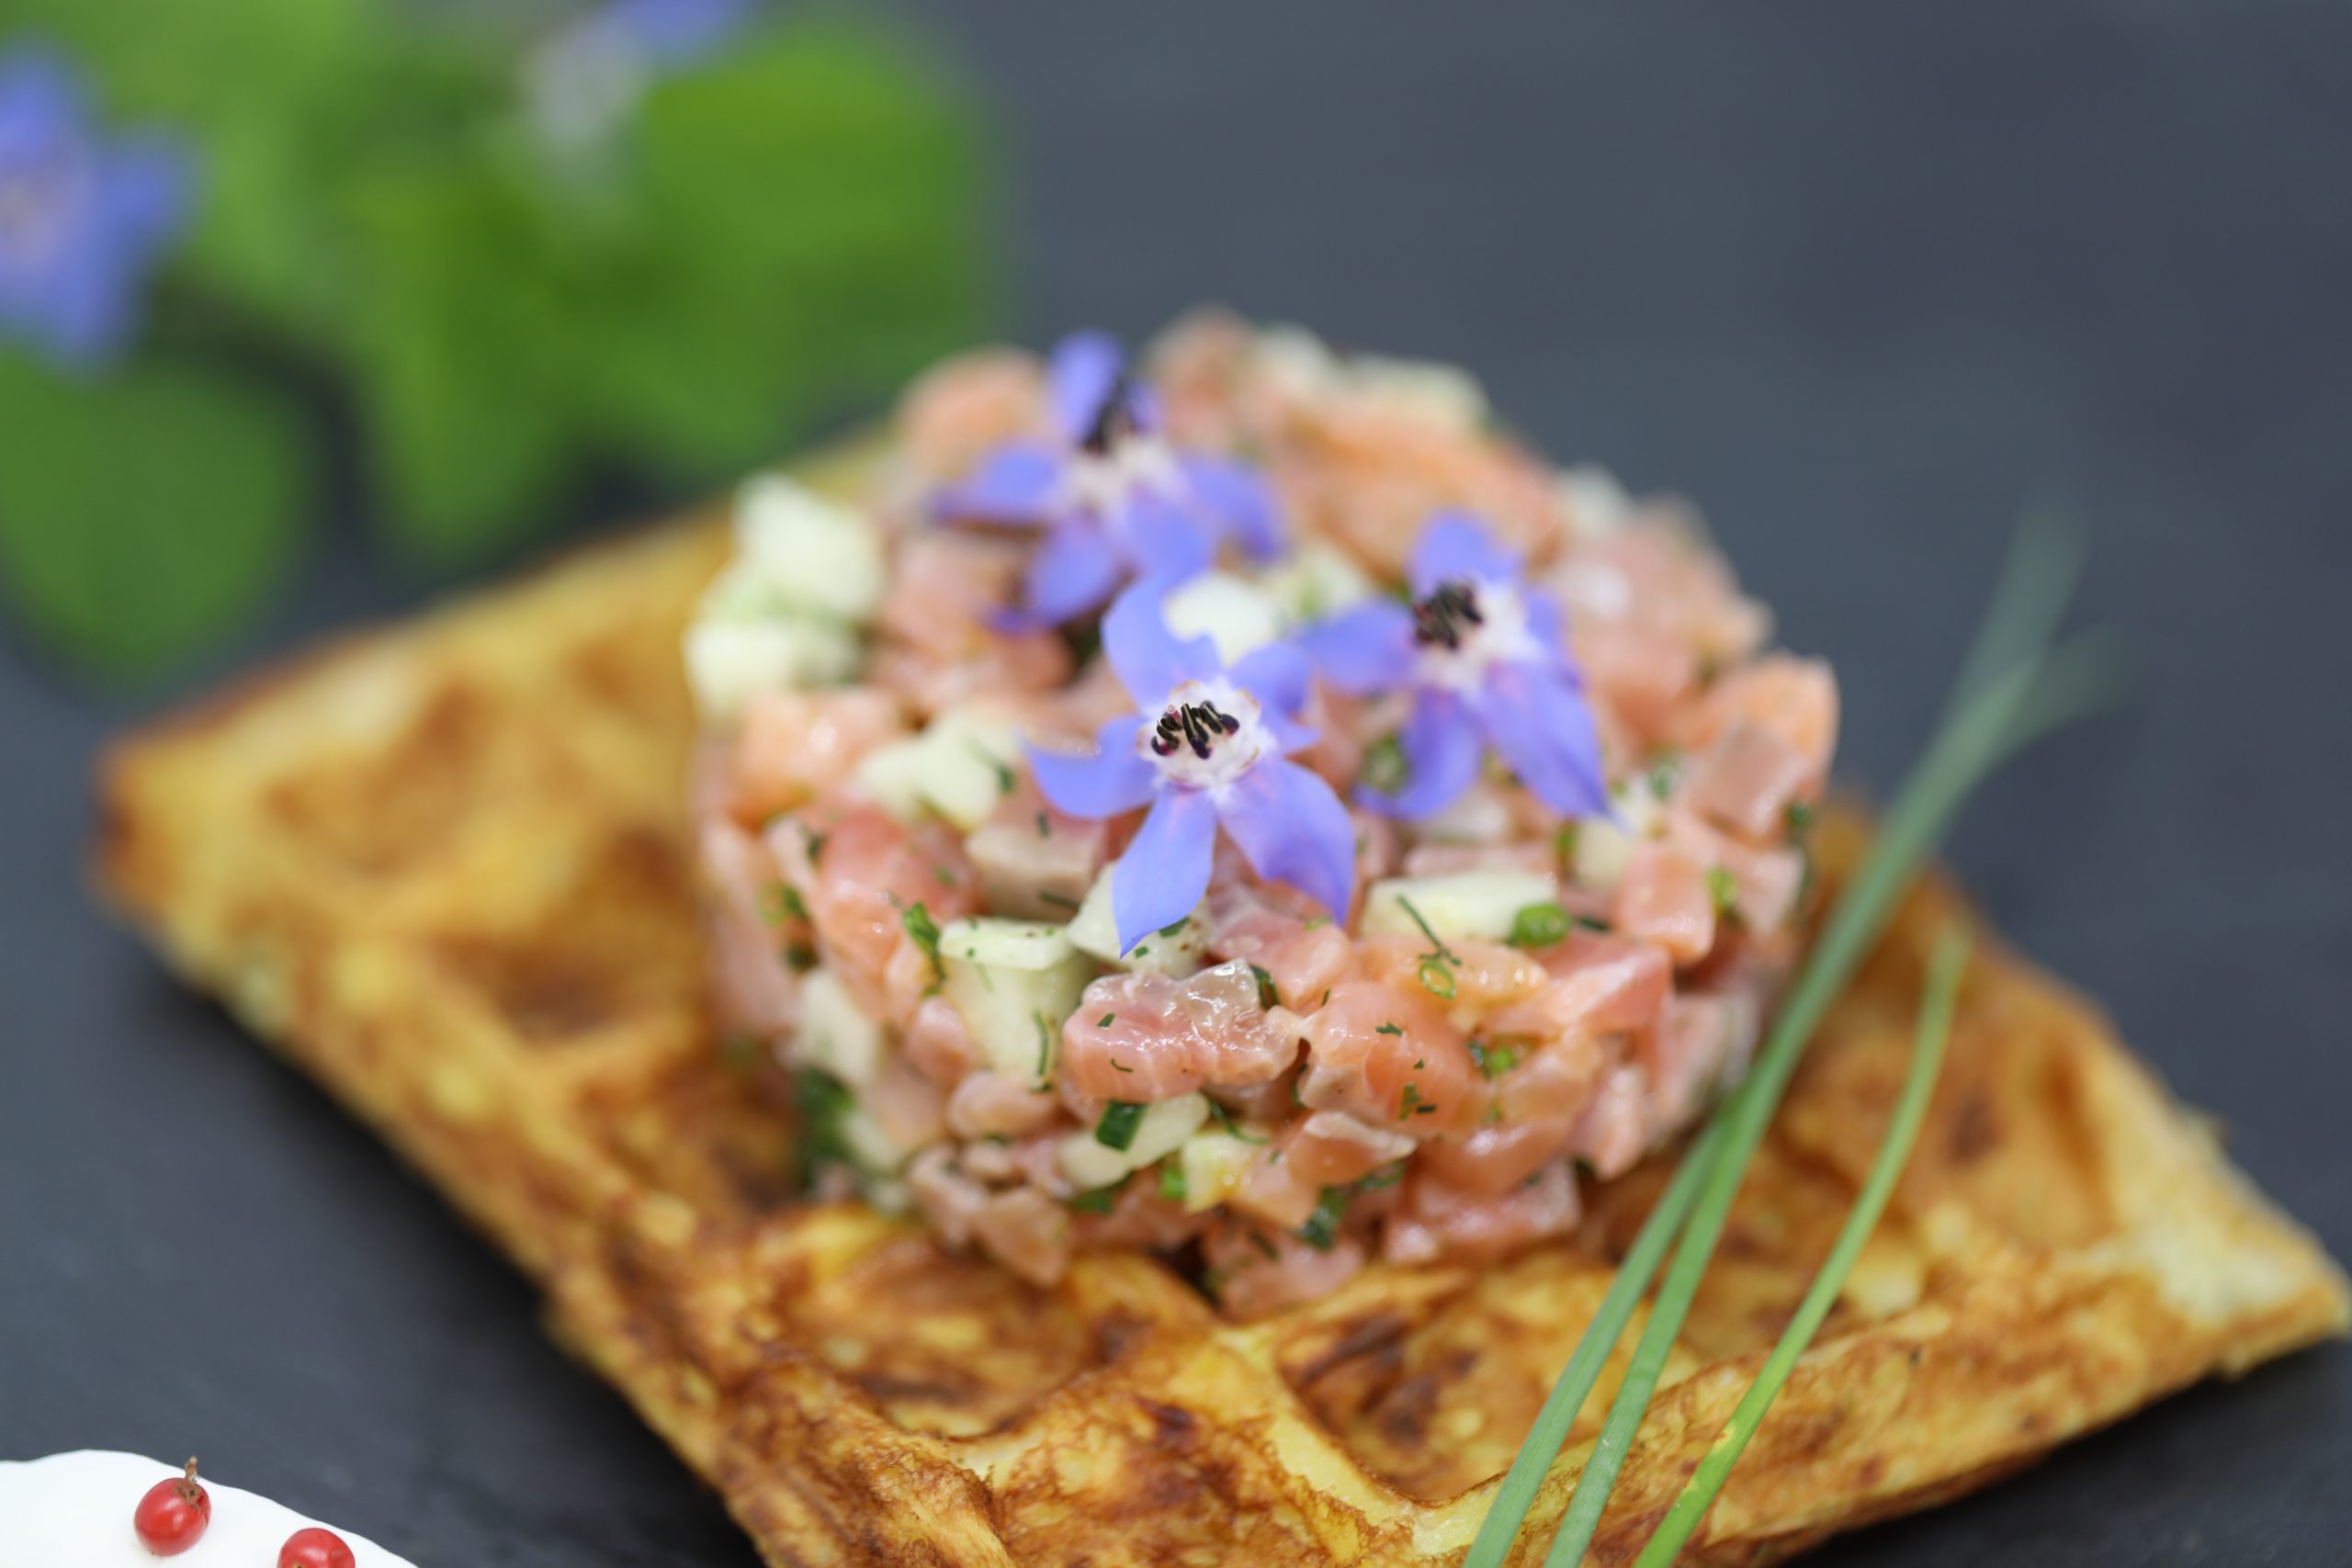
point(675, 32)
point(83, 216)
point(1486, 657)
point(586, 78)
point(1115, 500)
point(1208, 746)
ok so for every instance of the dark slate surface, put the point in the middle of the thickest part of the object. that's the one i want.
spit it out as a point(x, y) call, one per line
point(1858, 276)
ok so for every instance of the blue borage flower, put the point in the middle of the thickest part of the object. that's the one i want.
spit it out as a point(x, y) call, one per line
point(83, 218)
point(675, 32)
point(586, 78)
point(1485, 658)
point(1206, 747)
point(1114, 500)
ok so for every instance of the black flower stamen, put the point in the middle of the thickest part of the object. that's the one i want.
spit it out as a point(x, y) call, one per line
point(1114, 420)
point(1197, 725)
point(1443, 615)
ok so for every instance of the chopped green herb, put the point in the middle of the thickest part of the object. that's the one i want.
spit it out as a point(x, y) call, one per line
point(1420, 1062)
point(1176, 929)
point(1106, 1020)
point(800, 957)
point(1384, 770)
point(1432, 1109)
point(1045, 826)
point(823, 1103)
point(1797, 821)
point(1119, 1066)
point(1437, 978)
point(1665, 773)
point(1141, 948)
point(947, 874)
point(813, 839)
point(1003, 773)
point(1386, 1176)
point(1322, 1227)
point(1097, 1199)
point(1058, 900)
point(1044, 1048)
point(1258, 1239)
point(787, 903)
point(918, 925)
point(1592, 923)
point(1326, 997)
point(1494, 1061)
point(1566, 842)
point(1173, 1185)
point(1437, 943)
point(1539, 925)
point(1722, 889)
point(1233, 1129)
point(1267, 996)
point(1388, 1029)
point(1410, 1103)
point(1316, 922)
point(1117, 1128)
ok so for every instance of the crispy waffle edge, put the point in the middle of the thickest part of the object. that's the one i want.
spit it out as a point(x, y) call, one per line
point(441, 868)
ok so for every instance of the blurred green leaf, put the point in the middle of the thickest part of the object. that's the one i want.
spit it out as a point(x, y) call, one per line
point(461, 347)
point(790, 226)
point(144, 513)
point(284, 98)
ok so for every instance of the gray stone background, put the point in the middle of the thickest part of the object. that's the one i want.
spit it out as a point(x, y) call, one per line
point(1859, 278)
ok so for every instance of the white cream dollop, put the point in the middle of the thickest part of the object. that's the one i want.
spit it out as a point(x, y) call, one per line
point(74, 1511)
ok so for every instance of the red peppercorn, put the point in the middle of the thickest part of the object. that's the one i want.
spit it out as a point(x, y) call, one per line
point(315, 1547)
point(173, 1515)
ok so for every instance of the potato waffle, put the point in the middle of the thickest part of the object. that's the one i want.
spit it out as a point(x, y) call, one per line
point(443, 867)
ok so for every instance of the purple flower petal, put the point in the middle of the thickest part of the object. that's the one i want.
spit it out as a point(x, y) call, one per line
point(1549, 624)
point(88, 217)
point(1165, 872)
point(1294, 830)
point(1456, 544)
point(1444, 752)
point(1148, 659)
point(1084, 367)
point(1115, 779)
point(1368, 648)
point(1075, 569)
point(41, 107)
point(676, 32)
point(1162, 540)
point(1277, 675)
point(1014, 483)
point(1241, 501)
point(1543, 726)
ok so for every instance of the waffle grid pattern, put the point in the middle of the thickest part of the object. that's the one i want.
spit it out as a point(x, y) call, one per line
point(442, 868)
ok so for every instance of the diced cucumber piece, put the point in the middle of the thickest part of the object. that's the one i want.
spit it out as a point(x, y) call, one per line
point(962, 763)
point(1014, 1013)
point(835, 1036)
point(728, 661)
point(1474, 905)
point(1005, 944)
point(1161, 1132)
point(1604, 847)
point(1213, 1166)
point(1315, 583)
point(810, 554)
point(1178, 952)
point(1233, 613)
point(873, 1148)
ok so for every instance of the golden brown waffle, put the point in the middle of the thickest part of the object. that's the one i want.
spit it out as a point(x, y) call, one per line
point(442, 868)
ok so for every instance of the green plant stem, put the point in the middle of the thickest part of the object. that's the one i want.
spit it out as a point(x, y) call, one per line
point(1635, 1272)
point(1937, 1004)
point(1957, 761)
